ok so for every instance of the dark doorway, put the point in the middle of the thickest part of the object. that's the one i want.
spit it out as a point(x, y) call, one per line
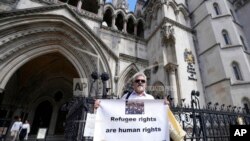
point(42, 116)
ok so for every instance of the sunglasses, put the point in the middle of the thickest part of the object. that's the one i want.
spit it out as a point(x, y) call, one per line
point(140, 80)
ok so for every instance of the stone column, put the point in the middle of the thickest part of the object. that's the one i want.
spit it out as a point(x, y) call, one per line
point(177, 15)
point(113, 21)
point(171, 69)
point(125, 26)
point(53, 120)
point(135, 29)
point(101, 8)
point(79, 5)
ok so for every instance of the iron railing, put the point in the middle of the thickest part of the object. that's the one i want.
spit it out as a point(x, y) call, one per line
point(210, 123)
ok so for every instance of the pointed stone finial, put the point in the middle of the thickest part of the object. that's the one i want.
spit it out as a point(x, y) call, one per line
point(121, 4)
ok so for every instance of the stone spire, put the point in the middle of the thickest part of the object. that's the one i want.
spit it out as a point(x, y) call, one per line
point(120, 4)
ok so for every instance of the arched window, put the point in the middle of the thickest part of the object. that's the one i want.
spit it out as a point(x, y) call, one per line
point(130, 26)
point(216, 8)
point(236, 71)
point(108, 17)
point(226, 37)
point(90, 5)
point(119, 22)
point(140, 29)
point(243, 43)
point(73, 2)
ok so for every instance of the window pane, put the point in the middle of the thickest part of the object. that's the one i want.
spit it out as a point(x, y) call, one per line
point(236, 73)
point(226, 37)
point(216, 8)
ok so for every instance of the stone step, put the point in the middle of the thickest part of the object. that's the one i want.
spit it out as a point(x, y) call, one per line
point(48, 138)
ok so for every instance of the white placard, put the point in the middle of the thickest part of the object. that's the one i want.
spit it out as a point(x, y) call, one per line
point(135, 120)
point(41, 133)
point(90, 125)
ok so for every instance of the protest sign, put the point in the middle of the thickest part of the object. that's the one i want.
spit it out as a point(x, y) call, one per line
point(131, 121)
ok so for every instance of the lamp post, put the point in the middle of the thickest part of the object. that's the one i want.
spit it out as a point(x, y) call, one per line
point(104, 77)
point(94, 76)
point(195, 99)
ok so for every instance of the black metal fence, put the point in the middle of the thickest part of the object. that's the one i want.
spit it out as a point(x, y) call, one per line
point(210, 123)
point(4, 127)
point(75, 121)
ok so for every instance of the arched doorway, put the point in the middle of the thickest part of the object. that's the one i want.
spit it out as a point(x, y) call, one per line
point(42, 116)
point(45, 57)
point(41, 85)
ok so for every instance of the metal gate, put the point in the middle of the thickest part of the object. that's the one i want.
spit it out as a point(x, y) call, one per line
point(210, 123)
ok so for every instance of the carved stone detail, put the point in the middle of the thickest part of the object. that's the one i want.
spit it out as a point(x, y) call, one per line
point(171, 68)
point(167, 32)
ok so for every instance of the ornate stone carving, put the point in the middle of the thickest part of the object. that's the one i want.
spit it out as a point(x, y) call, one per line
point(170, 67)
point(167, 32)
point(188, 56)
point(9, 1)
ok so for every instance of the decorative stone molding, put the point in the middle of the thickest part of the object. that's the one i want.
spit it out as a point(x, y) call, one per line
point(167, 32)
point(169, 21)
point(89, 68)
point(27, 32)
point(31, 10)
point(133, 59)
point(46, 1)
point(48, 40)
point(83, 13)
point(171, 68)
point(27, 13)
point(126, 35)
point(10, 52)
point(9, 1)
point(87, 14)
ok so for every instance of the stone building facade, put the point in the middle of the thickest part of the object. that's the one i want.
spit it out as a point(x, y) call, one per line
point(181, 45)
